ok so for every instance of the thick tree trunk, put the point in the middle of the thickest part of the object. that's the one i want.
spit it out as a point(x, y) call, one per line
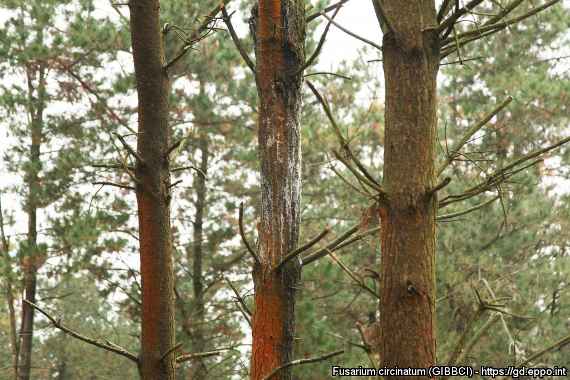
point(30, 261)
point(279, 32)
point(198, 369)
point(153, 193)
point(407, 307)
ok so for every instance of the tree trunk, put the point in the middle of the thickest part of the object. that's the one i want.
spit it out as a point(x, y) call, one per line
point(279, 27)
point(153, 193)
point(407, 306)
point(29, 259)
point(197, 368)
point(9, 279)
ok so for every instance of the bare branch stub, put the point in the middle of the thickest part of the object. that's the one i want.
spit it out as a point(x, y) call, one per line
point(129, 149)
point(244, 238)
point(303, 248)
point(439, 186)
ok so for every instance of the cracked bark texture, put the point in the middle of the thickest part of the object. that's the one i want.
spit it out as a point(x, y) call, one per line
point(407, 306)
point(279, 33)
point(153, 193)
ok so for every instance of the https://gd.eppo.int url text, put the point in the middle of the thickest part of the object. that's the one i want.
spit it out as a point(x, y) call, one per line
point(452, 371)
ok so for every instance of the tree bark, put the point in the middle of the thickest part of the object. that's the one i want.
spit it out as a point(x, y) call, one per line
point(153, 193)
point(29, 260)
point(9, 279)
point(407, 306)
point(197, 368)
point(279, 31)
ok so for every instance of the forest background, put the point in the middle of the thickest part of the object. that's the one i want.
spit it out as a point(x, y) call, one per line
point(68, 88)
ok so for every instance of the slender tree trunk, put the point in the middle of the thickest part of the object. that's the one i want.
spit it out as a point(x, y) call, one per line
point(9, 279)
point(153, 193)
point(279, 33)
point(198, 369)
point(407, 306)
point(29, 260)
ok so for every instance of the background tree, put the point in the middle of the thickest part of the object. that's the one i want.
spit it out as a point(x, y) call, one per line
point(39, 54)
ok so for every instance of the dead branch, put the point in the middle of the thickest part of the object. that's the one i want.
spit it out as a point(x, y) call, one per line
point(326, 10)
point(446, 25)
point(339, 243)
point(110, 166)
point(235, 38)
point(175, 183)
point(382, 17)
point(327, 73)
point(364, 192)
point(362, 178)
point(198, 33)
point(503, 174)
point(351, 274)
point(470, 132)
point(244, 238)
point(171, 350)
point(303, 361)
point(475, 339)
point(303, 248)
point(443, 10)
point(439, 186)
point(108, 346)
point(129, 149)
point(317, 51)
point(368, 178)
point(119, 185)
point(100, 99)
point(352, 34)
point(182, 168)
point(198, 355)
point(504, 12)
point(556, 346)
point(243, 307)
point(465, 212)
point(173, 147)
point(484, 31)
